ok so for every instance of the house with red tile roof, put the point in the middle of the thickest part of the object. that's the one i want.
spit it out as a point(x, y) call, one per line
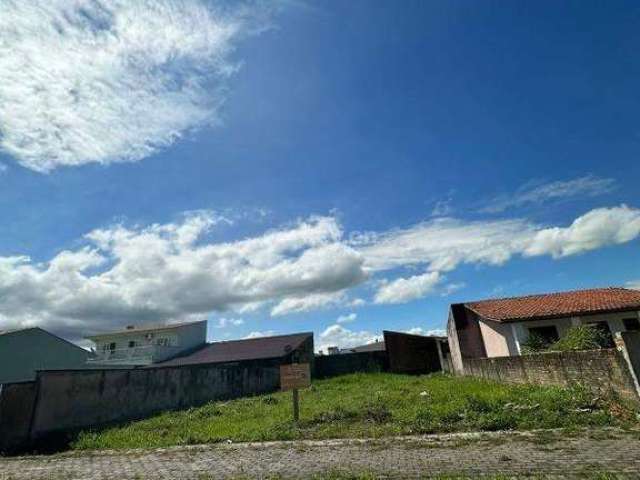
point(498, 327)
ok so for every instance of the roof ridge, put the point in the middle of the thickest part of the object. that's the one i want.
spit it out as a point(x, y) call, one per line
point(548, 294)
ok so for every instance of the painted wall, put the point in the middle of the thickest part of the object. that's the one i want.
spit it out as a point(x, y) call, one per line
point(25, 351)
point(150, 346)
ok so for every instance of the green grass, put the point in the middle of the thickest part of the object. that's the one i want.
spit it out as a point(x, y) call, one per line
point(365, 405)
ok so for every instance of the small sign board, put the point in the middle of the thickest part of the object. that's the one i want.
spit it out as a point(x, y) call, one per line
point(294, 376)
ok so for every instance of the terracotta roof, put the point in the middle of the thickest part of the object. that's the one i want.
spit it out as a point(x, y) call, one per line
point(237, 350)
point(561, 304)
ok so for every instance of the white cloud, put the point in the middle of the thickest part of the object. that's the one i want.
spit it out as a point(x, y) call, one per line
point(598, 228)
point(634, 284)
point(357, 302)
point(308, 303)
point(229, 322)
point(173, 272)
point(102, 81)
point(260, 334)
point(443, 244)
point(169, 272)
point(442, 208)
point(347, 318)
point(339, 336)
point(588, 185)
point(403, 290)
point(452, 288)
point(437, 332)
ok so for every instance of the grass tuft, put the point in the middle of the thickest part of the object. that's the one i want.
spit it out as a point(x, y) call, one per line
point(368, 405)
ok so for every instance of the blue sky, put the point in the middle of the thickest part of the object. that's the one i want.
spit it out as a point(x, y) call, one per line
point(369, 160)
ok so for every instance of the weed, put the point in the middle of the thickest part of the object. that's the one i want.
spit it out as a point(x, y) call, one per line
point(370, 405)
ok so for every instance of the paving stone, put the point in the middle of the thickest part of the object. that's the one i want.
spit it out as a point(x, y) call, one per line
point(406, 457)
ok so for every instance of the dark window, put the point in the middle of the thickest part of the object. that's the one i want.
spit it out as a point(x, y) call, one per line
point(631, 324)
point(112, 346)
point(549, 334)
point(604, 328)
point(132, 343)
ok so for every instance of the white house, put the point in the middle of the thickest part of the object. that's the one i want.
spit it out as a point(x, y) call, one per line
point(497, 328)
point(148, 344)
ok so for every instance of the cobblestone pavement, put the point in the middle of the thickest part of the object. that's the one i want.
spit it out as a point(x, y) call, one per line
point(547, 453)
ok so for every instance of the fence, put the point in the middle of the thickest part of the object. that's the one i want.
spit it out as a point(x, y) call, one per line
point(608, 370)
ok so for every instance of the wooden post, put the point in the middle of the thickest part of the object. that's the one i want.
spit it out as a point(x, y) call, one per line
point(296, 406)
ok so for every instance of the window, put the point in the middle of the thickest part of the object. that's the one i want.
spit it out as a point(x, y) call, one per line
point(548, 334)
point(631, 324)
point(132, 344)
point(163, 342)
point(604, 328)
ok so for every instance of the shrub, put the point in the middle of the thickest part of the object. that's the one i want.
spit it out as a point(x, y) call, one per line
point(581, 337)
point(534, 344)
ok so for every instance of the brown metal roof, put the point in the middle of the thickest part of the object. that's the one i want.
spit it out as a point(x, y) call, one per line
point(237, 350)
point(561, 304)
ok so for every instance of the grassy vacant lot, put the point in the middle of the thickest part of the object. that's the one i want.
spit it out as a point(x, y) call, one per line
point(368, 405)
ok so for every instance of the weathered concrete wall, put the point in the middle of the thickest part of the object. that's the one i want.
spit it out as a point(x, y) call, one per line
point(412, 353)
point(344, 363)
point(69, 400)
point(16, 408)
point(600, 370)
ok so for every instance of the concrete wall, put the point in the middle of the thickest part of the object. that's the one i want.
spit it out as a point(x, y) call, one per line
point(412, 354)
point(464, 335)
point(25, 351)
point(69, 400)
point(600, 370)
point(16, 409)
point(344, 363)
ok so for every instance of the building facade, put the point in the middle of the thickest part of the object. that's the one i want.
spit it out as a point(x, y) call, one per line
point(498, 328)
point(147, 344)
point(24, 352)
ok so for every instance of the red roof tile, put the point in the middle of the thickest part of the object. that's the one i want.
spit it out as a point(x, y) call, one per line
point(559, 304)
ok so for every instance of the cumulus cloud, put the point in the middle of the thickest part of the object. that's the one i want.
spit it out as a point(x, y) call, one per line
point(339, 336)
point(588, 185)
point(347, 318)
point(598, 228)
point(102, 81)
point(173, 272)
point(170, 272)
point(403, 290)
point(308, 303)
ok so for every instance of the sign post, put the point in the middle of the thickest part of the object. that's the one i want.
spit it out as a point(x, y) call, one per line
point(294, 377)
